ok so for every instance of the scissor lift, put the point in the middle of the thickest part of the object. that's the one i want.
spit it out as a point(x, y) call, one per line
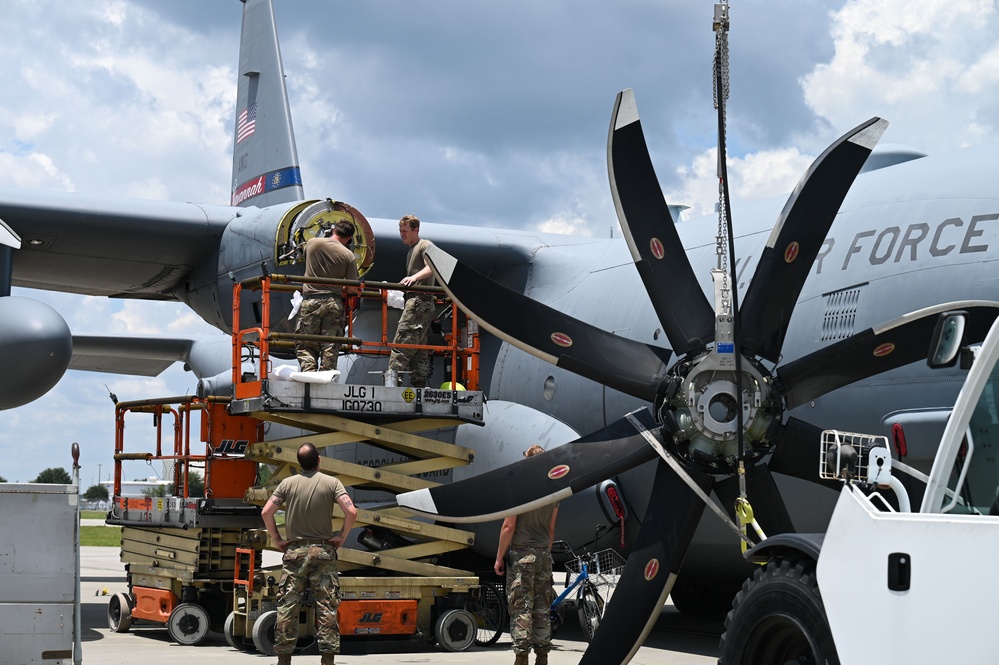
point(195, 562)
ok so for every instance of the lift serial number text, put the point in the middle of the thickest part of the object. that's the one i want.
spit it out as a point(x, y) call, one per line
point(361, 405)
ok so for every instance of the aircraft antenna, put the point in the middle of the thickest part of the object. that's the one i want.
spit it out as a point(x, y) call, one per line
point(725, 239)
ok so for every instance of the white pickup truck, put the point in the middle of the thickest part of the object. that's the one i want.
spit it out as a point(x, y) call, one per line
point(889, 582)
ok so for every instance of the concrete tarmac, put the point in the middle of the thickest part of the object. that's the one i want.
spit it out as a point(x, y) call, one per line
point(676, 639)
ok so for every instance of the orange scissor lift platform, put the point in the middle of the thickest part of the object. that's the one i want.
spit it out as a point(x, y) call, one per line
point(193, 562)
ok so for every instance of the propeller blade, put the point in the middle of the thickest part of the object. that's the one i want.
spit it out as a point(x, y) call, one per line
point(672, 516)
point(768, 505)
point(875, 350)
point(797, 237)
point(684, 311)
point(538, 480)
point(797, 452)
point(617, 362)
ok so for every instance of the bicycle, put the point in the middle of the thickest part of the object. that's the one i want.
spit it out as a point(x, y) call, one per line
point(489, 610)
point(590, 570)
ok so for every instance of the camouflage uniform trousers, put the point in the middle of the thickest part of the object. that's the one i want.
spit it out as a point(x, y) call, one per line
point(529, 597)
point(319, 316)
point(414, 328)
point(308, 567)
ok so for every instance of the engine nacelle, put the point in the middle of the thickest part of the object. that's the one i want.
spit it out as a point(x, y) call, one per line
point(36, 346)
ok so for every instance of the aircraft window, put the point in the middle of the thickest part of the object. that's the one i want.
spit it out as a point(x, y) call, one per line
point(980, 490)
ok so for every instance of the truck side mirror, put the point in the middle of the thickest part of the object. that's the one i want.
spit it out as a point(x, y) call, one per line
point(947, 340)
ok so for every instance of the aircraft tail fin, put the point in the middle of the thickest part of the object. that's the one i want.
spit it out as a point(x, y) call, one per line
point(265, 168)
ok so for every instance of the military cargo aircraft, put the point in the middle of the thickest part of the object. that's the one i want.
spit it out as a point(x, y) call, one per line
point(836, 284)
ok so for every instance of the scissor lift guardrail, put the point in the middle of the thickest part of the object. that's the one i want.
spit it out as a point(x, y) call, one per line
point(256, 343)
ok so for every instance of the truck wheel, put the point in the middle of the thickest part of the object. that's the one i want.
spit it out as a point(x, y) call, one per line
point(188, 624)
point(455, 630)
point(778, 617)
point(119, 613)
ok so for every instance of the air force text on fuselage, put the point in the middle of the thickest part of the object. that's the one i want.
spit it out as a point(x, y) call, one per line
point(897, 244)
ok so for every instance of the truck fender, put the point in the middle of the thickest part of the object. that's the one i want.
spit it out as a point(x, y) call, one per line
point(782, 544)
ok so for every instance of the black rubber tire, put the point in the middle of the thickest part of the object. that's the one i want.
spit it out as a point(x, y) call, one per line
point(237, 642)
point(590, 605)
point(778, 618)
point(489, 610)
point(263, 633)
point(557, 617)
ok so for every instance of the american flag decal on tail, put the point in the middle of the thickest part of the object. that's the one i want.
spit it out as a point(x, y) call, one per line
point(246, 123)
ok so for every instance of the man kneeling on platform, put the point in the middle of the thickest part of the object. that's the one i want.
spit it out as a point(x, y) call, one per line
point(310, 552)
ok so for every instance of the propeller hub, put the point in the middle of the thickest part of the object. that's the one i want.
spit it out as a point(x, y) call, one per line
point(702, 415)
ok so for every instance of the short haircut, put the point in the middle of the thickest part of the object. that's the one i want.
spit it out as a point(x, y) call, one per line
point(308, 457)
point(412, 220)
point(344, 229)
point(533, 450)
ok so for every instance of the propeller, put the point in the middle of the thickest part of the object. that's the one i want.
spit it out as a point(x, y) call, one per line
point(700, 400)
point(632, 367)
point(540, 479)
point(653, 564)
point(684, 312)
point(797, 238)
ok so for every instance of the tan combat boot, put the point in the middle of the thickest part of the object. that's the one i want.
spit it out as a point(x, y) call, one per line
point(521, 659)
point(541, 658)
point(284, 659)
point(327, 659)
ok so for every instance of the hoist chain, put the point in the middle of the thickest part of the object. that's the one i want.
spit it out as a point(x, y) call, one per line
point(720, 79)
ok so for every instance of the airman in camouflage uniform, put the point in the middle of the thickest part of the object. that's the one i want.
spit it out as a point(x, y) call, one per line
point(528, 540)
point(322, 311)
point(308, 566)
point(309, 561)
point(414, 325)
point(319, 317)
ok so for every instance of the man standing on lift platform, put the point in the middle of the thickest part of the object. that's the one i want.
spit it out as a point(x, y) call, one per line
point(414, 325)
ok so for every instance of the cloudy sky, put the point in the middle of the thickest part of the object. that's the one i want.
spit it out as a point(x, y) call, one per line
point(479, 113)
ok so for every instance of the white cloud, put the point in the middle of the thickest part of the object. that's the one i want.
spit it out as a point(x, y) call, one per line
point(755, 176)
point(33, 170)
point(567, 225)
point(925, 66)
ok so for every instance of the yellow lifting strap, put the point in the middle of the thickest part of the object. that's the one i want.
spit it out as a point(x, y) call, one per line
point(744, 513)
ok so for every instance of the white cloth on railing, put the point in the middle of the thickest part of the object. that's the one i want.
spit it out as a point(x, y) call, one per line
point(396, 299)
point(291, 373)
point(296, 304)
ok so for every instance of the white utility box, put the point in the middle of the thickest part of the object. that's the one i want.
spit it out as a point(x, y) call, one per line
point(38, 555)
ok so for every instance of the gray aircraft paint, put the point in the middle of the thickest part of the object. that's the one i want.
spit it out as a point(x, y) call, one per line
point(265, 167)
point(877, 247)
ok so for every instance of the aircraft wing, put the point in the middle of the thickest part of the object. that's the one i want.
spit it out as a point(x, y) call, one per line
point(141, 356)
point(109, 247)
